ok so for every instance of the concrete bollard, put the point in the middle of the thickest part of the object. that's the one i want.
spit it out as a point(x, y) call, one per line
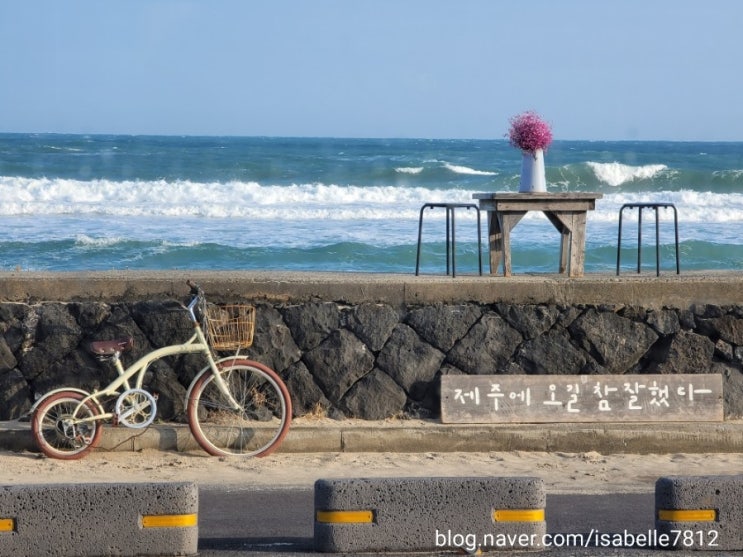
point(699, 512)
point(429, 514)
point(84, 520)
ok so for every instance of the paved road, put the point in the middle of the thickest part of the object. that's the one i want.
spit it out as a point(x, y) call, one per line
point(270, 520)
point(239, 522)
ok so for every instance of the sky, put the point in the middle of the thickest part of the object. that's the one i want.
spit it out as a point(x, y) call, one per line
point(594, 69)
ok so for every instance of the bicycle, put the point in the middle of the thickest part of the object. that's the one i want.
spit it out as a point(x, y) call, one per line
point(234, 406)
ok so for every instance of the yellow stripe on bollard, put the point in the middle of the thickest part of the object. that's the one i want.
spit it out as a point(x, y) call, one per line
point(169, 520)
point(345, 517)
point(7, 524)
point(691, 515)
point(518, 515)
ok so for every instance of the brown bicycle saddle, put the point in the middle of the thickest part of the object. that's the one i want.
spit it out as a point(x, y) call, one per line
point(111, 347)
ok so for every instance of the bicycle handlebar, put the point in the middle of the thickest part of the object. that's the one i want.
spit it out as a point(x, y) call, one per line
point(195, 288)
point(196, 295)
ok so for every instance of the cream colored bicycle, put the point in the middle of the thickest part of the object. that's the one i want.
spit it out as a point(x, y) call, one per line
point(234, 406)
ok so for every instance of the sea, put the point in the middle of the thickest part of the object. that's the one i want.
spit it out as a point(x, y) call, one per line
point(128, 202)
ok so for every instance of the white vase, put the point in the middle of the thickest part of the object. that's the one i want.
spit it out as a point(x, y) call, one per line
point(532, 172)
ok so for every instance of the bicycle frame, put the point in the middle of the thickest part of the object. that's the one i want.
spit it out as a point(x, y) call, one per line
point(139, 368)
point(196, 344)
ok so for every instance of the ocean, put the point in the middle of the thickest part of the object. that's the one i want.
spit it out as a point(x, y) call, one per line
point(114, 202)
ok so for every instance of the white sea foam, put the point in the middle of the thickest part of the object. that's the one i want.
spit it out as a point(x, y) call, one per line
point(66, 149)
point(409, 169)
point(692, 207)
point(733, 174)
point(458, 169)
point(86, 240)
point(616, 174)
point(24, 197)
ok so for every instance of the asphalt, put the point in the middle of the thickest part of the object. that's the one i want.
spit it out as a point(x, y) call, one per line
point(308, 436)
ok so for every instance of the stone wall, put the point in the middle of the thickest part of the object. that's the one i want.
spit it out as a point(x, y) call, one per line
point(372, 360)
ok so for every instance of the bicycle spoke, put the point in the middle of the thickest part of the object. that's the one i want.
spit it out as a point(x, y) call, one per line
point(256, 427)
point(58, 427)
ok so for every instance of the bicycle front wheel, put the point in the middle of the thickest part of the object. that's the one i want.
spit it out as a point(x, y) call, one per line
point(259, 423)
point(63, 428)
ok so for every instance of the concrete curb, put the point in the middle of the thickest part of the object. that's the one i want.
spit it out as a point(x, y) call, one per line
point(99, 519)
point(704, 287)
point(699, 512)
point(429, 514)
point(604, 438)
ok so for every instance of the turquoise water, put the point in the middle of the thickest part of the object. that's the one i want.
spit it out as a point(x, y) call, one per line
point(74, 202)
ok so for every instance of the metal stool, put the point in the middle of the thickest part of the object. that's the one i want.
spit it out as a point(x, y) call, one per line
point(450, 245)
point(640, 207)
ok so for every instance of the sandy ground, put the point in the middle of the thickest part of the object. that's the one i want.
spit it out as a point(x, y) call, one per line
point(562, 472)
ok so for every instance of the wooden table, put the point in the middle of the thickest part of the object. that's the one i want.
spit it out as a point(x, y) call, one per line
point(566, 211)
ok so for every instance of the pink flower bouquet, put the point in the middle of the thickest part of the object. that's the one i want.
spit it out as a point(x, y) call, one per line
point(529, 132)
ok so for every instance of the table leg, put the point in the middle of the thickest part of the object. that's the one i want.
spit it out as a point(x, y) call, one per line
point(495, 241)
point(564, 224)
point(565, 236)
point(507, 222)
point(572, 227)
point(578, 245)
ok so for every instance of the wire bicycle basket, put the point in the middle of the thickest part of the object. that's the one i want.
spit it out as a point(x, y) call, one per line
point(230, 327)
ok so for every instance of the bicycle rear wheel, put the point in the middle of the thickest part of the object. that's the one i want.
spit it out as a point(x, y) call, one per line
point(57, 428)
point(260, 423)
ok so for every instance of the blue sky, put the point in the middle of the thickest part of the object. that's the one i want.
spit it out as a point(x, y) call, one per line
point(596, 69)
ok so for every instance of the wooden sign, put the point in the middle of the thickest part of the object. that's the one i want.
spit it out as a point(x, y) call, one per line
point(581, 398)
